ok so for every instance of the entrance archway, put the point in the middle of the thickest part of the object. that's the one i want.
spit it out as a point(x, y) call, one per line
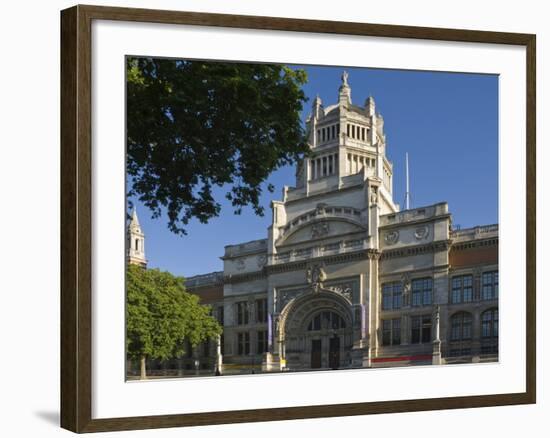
point(316, 331)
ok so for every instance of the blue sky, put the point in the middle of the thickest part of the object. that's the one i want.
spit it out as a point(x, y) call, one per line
point(447, 122)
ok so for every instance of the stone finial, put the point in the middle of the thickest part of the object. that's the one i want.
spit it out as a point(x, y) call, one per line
point(345, 90)
point(317, 101)
point(134, 222)
point(345, 78)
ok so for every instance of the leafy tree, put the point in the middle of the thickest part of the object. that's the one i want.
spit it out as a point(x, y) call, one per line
point(161, 316)
point(192, 126)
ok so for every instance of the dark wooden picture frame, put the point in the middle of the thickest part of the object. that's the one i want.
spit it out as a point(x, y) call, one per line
point(76, 218)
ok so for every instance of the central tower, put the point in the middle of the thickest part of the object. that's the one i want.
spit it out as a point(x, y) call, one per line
point(348, 145)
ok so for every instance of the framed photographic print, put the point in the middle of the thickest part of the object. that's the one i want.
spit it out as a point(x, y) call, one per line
point(341, 214)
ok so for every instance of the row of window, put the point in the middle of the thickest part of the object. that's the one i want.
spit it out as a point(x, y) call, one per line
point(328, 133)
point(356, 132)
point(352, 131)
point(462, 287)
point(355, 163)
point(422, 291)
point(243, 311)
point(323, 166)
point(243, 342)
point(461, 328)
point(421, 330)
point(461, 325)
point(326, 320)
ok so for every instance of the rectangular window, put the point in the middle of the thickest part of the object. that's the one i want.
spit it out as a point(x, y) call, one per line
point(261, 346)
point(348, 130)
point(330, 164)
point(426, 329)
point(489, 285)
point(333, 131)
point(415, 329)
point(243, 339)
point(386, 332)
point(261, 310)
point(221, 315)
point(391, 331)
point(391, 295)
point(422, 292)
point(456, 330)
point(396, 331)
point(467, 288)
point(421, 329)
point(242, 313)
point(462, 289)
point(386, 296)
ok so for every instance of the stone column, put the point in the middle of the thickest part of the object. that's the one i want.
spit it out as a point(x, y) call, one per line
point(405, 329)
point(476, 335)
point(436, 355)
point(219, 358)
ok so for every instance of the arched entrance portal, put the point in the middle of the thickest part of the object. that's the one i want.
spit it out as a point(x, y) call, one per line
point(316, 331)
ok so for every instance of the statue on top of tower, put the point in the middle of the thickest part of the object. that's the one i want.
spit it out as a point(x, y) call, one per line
point(345, 78)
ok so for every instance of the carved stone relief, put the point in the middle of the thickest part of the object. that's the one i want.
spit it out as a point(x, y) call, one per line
point(261, 260)
point(391, 237)
point(315, 275)
point(319, 230)
point(421, 232)
point(346, 290)
point(284, 296)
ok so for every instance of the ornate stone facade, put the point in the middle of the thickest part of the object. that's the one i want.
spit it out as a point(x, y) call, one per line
point(343, 278)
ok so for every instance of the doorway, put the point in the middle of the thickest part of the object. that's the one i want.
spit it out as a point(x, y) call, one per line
point(334, 352)
point(315, 353)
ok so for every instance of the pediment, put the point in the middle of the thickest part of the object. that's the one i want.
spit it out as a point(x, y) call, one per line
point(321, 229)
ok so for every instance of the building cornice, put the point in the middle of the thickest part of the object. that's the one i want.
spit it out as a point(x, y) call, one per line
point(415, 222)
point(473, 244)
point(357, 186)
point(302, 265)
point(408, 251)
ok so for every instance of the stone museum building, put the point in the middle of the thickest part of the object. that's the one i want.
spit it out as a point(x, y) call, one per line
point(344, 278)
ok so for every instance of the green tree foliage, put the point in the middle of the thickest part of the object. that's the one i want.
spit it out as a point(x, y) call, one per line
point(161, 316)
point(193, 126)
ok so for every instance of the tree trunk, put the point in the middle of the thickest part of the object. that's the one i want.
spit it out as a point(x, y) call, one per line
point(143, 375)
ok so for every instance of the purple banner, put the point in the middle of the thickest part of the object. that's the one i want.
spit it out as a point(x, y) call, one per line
point(269, 330)
point(363, 321)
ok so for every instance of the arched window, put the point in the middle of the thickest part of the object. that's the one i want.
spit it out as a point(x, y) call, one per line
point(489, 324)
point(326, 320)
point(137, 245)
point(461, 326)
